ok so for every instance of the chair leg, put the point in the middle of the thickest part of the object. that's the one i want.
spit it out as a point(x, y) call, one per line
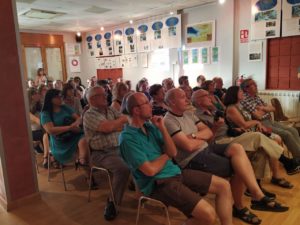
point(138, 211)
point(48, 166)
point(111, 189)
point(90, 184)
point(167, 215)
point(63, 177)
point(36, 164)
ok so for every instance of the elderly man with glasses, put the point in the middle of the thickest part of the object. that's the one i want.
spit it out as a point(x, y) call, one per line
point(262, 111)
point(102, 125)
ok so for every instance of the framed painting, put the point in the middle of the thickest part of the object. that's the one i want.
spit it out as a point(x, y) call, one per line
point(200, 34)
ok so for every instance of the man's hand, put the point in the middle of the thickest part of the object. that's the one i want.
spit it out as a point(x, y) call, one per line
point(158, 122)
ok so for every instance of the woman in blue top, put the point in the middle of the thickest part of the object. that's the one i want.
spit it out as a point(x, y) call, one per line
point(62, 123)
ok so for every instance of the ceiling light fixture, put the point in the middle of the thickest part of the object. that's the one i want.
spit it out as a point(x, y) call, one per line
point(222, 1)
point(130, 21)
point(171, 13)
point(78, 33)
point(102, 28)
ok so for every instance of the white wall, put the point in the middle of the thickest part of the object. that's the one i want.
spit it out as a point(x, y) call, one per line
point(230, 18)
point(224, 18)
point(257, 70)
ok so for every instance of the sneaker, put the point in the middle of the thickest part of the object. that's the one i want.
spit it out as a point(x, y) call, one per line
point(270, 195)
point(110, 212)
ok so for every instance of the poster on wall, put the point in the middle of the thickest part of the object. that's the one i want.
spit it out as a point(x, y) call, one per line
point(173, 31)
point(73, 49)
point(130, 40)
point(255, 51)
point(118, 42)
point(143, 38)
point(195, 55)
point(108, 62)
point(74, 64)
point(107, 44)
point(89, 45)
point(99, 46)
point(265, 19)
point(185, 57)
point(128, 61)
point(205, 57)
point(215, 51)
point(157, 39)
point(290, 17)
point(200, 34)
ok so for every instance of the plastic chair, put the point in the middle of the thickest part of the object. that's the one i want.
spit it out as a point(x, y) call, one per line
point(109, 182)
point(142, 201)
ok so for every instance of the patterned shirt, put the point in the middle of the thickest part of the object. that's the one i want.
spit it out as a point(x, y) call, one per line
point(251, 102)
point(98, 140)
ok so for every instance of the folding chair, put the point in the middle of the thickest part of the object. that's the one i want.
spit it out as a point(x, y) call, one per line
point(142, 201)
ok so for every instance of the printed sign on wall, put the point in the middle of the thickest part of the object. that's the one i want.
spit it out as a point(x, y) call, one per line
point(265, 19)
point(290, 17)
point(130, 40)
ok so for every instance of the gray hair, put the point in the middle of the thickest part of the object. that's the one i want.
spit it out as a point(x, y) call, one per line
point(170, 95)
point(91, 92)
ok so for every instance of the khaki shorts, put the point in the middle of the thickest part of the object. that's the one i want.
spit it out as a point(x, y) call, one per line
point(182, 192)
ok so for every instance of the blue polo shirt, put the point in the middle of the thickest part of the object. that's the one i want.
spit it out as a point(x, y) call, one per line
point(137, 148)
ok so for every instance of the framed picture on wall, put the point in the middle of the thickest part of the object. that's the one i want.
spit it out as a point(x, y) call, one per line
point(200, 34)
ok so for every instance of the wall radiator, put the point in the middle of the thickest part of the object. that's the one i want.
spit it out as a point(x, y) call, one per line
point(290, 100)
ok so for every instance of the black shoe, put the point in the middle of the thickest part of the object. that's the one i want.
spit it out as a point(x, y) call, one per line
point(293, 168)
point(270, 195)
point(110, 212)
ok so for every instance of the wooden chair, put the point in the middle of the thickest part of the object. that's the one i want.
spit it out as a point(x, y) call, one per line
point(279, 115)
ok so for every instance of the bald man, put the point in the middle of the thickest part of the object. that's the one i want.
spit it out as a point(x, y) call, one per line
point(147, 148)
point(102, 126)
point(191, 138)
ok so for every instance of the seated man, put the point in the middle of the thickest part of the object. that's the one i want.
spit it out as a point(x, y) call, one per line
point(102, 125)
point(191, 136)
point(147, 148)
point(257, 145)
point(261, 111)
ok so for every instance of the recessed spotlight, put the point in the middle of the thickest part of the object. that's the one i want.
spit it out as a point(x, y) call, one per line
point(78, 33)
point(222, 1)
point(130, 21)
point(102, 28)
point(171, 13)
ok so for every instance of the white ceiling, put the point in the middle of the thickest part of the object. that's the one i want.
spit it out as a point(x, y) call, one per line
point(86, 15)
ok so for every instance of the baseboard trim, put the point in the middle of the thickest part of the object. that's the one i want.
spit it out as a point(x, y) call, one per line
point(8, 206)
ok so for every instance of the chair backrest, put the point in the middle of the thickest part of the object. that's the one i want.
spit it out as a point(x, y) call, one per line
point(278, 113)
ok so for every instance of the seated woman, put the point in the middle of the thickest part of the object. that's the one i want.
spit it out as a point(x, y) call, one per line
point(143, 86)
point(70, 99)
point(238, 118)
point(119, 90)
point(157, 93)
point(209, 86)
point(62, 123)
point(35, 108)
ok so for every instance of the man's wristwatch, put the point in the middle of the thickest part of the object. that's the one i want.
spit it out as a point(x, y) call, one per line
point(194, 136)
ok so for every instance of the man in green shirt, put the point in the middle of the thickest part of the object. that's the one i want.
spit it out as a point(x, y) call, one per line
point(147, 148)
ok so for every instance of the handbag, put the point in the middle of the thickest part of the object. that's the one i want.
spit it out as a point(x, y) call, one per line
point(68, 135)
